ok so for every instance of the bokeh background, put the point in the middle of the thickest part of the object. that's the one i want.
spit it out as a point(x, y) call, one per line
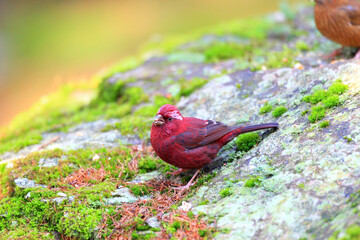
point(44, 44)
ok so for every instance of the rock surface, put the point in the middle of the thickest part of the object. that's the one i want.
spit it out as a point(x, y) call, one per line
point(308, 173)
point(308, 183)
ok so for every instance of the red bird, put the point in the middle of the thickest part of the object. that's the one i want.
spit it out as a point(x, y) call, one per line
point(192, 143)
point(339, 21)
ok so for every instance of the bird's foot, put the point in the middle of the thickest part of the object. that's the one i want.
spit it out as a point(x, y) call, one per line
point(188, 185)
point(357, 55)
point(177, 172)
point(183, 189)
point(334, 54)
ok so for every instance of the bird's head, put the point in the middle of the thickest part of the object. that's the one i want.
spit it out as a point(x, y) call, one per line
point(167, 114)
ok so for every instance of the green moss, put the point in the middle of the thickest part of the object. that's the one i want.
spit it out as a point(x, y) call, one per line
point(252, 182)
point(190, 214)
point(352, 232)
point(80, 222)
point(5, 183)
point(301, 185)
point(27, 233)
point(331, 101)
point(134, 96)
point(325, 99)
point(302, 46)
point(204, 202)
point(72, 220)
point(134, 125)
point(147, 236)
point(30, 212)
point(205, 179)
point(226, 192)
point(15, 143)
point(221, 51)
point(110, 92)
point(161, 100)
point(303, 113)
point(317, 113)
point(317, 96)
point(246, 141)
point(278, 111)
point(278, 59)
point(189, 86)
point(324, 124)
point(330, 97)
point(348, 139)
point(146, 111)
point(139, 190)
point(338, 87)
point(266, 108)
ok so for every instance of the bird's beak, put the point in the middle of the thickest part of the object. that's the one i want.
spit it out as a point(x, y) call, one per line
point(159, 120)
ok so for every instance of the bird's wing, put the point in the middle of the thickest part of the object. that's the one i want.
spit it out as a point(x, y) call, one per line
point(351, 8)
point(199, 132)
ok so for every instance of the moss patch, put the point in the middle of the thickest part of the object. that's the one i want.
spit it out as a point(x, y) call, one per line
point(324, 99)
point(252, 182)
point(324, 124)
point(279, 111)
point(266, 108)
point(226, 192)
point(221, 51)
point(246, 141)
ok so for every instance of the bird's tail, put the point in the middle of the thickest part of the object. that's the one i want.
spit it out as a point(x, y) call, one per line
point(240, 130)
point(258, 127)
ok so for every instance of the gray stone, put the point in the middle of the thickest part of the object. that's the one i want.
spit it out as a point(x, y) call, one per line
point(26, 183)
point(71, 199)
point(58, 200)
point(48, 162)
point(61, 194)
point(153, 222)
point(140, 178)
point(120, 200)
point(121, 195)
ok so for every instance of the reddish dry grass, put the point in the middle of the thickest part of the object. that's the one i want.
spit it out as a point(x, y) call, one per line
point(83, 177)
point(128, 216)
point(189, 227)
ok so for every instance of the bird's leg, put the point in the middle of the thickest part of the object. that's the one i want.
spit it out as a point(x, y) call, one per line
point(187, 186)
point(357, 56)
point(334, 54)
point(177, 172)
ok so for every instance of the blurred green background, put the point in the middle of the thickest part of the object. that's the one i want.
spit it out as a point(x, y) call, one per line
point(44, 44)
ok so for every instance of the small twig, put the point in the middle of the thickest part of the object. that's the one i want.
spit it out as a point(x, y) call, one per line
point(54, 139)
point(122, 169)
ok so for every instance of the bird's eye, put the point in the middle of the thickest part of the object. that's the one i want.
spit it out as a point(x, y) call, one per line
point(170, 118)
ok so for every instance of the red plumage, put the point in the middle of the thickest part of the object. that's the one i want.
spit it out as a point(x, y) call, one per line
point(192, 143)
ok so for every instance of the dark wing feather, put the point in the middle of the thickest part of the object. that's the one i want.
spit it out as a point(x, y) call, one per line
point(352, 11)
point(201, 132)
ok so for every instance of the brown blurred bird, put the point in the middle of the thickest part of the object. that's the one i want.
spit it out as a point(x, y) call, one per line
point(339, 21)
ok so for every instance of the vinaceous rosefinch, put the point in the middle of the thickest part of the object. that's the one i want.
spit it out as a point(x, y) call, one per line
point(192, 143)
